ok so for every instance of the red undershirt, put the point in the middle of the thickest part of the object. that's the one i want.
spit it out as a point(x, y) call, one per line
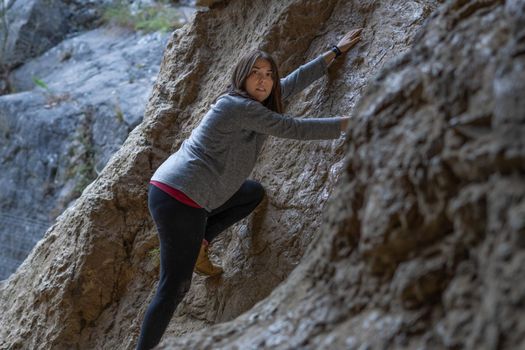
point(178, 195)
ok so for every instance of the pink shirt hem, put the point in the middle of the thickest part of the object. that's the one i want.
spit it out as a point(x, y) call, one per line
point(178, 195)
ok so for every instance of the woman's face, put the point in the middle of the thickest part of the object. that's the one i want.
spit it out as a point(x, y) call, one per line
point(259, 82)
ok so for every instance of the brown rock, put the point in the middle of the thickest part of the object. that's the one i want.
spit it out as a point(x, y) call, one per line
point(419, 244)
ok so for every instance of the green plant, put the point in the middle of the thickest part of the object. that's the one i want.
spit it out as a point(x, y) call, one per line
point(119, 114)
point(40, 82)
point(53, 98)
point(160, 17)
point(85, 173)
point(82, 154)
point(154, 254)
point(118, 14)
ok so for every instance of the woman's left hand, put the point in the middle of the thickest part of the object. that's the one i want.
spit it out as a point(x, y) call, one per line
point(349, 40)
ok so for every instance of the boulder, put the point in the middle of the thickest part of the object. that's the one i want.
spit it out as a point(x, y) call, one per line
point(55, 140)
point(33, 26)
point(406, 235)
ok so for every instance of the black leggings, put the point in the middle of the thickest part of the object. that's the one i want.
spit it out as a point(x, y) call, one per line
point(181, 229)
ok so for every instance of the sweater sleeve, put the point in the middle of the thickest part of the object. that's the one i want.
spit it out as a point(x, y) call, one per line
point(303, 76)
point(257, 117)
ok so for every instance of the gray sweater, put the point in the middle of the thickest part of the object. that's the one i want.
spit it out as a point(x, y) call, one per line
point(211, 165)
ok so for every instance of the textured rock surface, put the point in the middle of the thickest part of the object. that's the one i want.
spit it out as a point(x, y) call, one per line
point(54, 142)
point(33, 27)
point(56, 137)
point(420, 244)
point(422, 241)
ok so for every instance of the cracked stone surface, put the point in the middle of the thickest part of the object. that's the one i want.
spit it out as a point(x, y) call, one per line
point(409, 234)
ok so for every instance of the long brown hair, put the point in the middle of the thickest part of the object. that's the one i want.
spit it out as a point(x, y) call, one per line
point(243, 69)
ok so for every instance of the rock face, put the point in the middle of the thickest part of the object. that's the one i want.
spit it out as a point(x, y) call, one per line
point(54, 141)
point(33, 27)
point(407, 235)
point(55, 137)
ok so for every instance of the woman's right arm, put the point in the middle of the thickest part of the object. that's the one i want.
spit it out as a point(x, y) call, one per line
point(257, 117)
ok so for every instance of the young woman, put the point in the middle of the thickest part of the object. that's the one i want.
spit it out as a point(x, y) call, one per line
point(202, 189)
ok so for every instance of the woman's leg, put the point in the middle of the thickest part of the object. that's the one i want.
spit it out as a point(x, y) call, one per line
point(240, 205)
point(181, 229)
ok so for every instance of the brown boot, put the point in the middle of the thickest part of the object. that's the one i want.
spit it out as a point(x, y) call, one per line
point(204, 266)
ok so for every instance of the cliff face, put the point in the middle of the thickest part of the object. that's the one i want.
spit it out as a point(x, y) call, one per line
point(64, 113)
point(408, 234)
point(53, 143)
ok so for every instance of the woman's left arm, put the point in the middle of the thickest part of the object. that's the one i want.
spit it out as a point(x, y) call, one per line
point(313, 70)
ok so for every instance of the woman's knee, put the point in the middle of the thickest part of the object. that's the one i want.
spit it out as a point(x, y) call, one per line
point(173, 293)
point(183, 289)
point(256, 190)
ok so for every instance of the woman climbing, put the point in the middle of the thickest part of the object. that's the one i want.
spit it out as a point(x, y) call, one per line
point(202, 189)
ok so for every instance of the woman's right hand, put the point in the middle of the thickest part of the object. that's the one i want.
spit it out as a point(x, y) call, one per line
point(344, 123)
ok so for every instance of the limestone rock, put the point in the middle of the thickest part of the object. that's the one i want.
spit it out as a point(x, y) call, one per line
point(33, 26)
point(407, 235)
point(55, 141)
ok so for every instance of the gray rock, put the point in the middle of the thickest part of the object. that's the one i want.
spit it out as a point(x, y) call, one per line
point(405, 236)
point(56, 140)
point(34, 26)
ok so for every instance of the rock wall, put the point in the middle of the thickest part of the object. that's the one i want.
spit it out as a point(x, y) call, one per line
point(67, 111)
point(406, 235)
point(30, 28)
point(421, 244)
point(54, 141)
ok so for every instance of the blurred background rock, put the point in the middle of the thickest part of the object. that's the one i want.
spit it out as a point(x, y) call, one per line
point(75, 77)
